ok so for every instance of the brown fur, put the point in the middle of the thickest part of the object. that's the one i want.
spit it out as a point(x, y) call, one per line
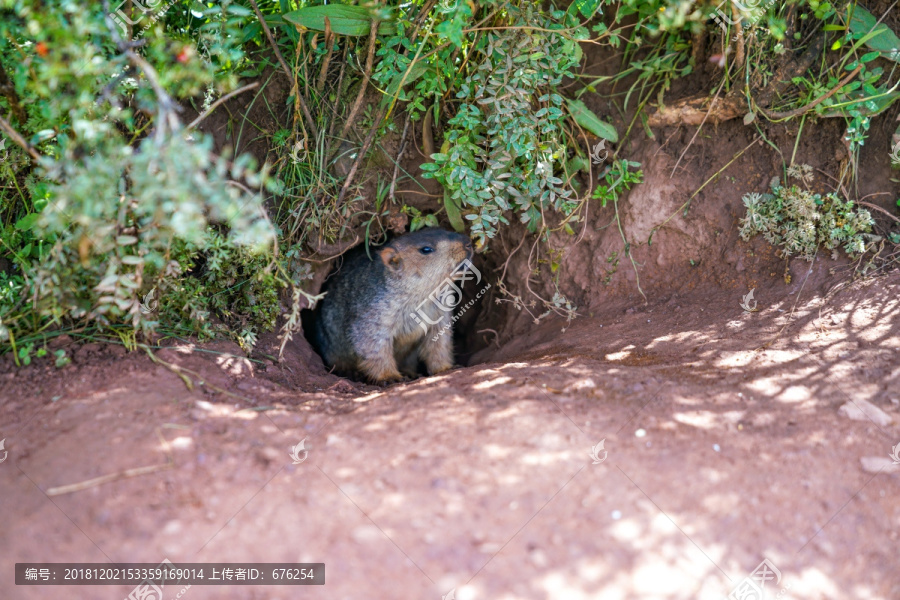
point(365, 324)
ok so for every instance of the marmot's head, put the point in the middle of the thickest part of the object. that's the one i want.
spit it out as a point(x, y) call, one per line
point(421, 261)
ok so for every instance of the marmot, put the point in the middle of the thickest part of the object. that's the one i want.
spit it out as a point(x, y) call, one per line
point(380, 315)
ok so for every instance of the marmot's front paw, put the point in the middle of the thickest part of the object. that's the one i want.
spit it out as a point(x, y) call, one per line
point(386, 377)
point(440, 368)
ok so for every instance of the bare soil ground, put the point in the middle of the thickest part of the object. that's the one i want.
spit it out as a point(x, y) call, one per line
point(722, 430)
point(723, 440)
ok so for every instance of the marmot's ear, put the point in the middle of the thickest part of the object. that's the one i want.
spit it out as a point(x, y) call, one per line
point(391, 258)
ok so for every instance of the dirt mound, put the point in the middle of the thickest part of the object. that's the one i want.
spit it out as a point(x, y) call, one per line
point(722, 444)
point(657, 448)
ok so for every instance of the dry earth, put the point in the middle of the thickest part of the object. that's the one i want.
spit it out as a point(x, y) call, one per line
point(723, 445)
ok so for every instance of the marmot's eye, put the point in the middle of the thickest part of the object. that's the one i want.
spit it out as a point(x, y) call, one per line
point(426, 249)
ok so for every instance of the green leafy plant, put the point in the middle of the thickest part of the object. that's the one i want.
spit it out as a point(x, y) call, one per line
point(505, 146)
point(800, 221)
point(106, 195)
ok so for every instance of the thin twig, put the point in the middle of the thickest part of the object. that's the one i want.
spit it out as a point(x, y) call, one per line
point(183, 373)
point(16, 137)
point(878, 208)
point(367, 143)
point(329, 50)
point(167, 108)
point(739, 34)
point(399, 157)
point(799, 111)
point(357, 104)
point(496, 335)
point(699, 189)
point(338, 92)
point(219, 102)
point(287, 71)
point(699, 127)
point(506, 264)
point(83, 485)
point(8, 90)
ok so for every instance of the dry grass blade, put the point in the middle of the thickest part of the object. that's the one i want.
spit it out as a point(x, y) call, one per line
point(135, 472)
point(310, 122)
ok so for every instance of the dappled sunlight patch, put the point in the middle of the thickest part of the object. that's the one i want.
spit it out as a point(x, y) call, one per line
point(513, 365)
point(701, 419)
point(794, 394)
point(621, 354)
point(495, 451)
point(208, 409)
point(484, 385)
point(180, 443)
point(101, 394)
point(236, 366)
point(721, 503)
point(545, 457)
point(814, 582)
point(740, 358)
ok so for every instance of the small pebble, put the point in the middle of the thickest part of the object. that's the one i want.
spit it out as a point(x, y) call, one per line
point(716, 447)
point(640, 433)
point(616, 515)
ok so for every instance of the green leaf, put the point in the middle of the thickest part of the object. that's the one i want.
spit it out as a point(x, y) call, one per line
point(345, 20)
point(587, 7)
point(251, 31)
point(576, 164)
point(882, 38)
point(870, 56)
point(453, 212)
point(393, 88)
point(43, 136)
point(27, 222)
point(587, 119)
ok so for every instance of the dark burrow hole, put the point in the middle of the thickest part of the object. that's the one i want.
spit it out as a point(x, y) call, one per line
point(475, 329)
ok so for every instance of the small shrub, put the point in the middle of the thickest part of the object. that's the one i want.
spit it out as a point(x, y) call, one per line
point(799, 221)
